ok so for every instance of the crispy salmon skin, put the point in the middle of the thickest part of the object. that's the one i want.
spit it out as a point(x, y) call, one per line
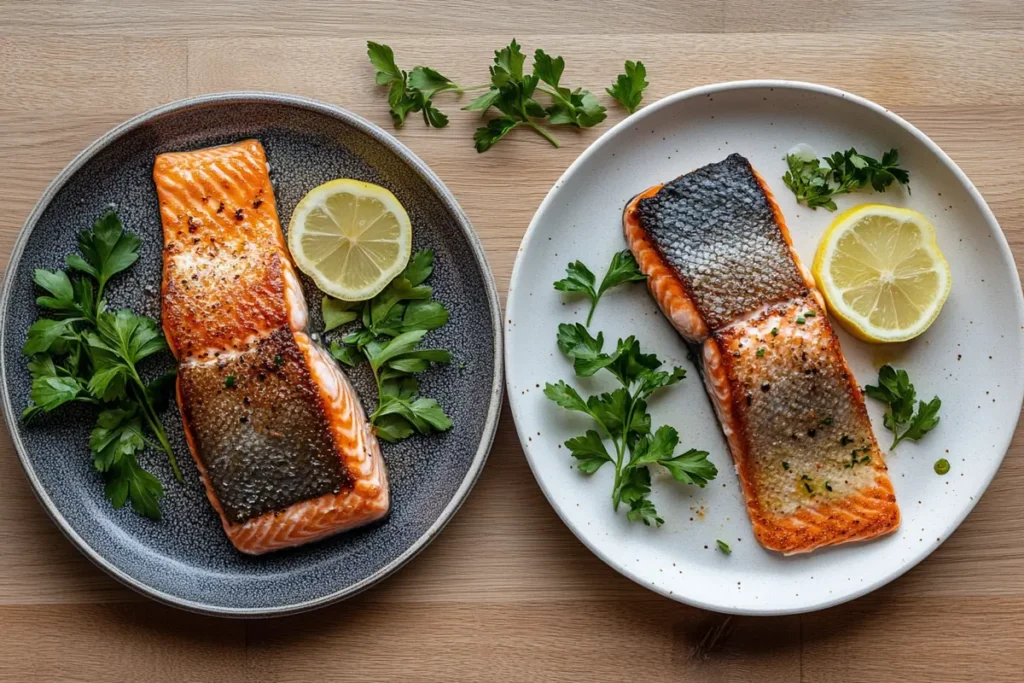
point(276, 430)
point(721, 266)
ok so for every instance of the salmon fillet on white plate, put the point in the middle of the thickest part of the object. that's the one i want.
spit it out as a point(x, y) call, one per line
point(281, 441)
point(721, 265)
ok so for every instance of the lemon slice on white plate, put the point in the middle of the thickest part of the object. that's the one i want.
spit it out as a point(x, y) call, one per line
point(351, 237)
point(882, 273)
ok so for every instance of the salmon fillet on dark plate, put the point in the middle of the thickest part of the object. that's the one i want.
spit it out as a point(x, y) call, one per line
point(721, 266)
point(280, 439)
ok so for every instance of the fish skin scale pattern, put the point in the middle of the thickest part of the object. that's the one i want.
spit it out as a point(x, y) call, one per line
point(686, 221)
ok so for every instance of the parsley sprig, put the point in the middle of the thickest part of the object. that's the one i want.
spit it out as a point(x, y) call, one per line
point(895, 390)
point(628, 87)
point(87, 353)
point(512, 93)
point(622, 418)
point(579, 278)
point(815, 185)
point(411, 91)
point(393, 324)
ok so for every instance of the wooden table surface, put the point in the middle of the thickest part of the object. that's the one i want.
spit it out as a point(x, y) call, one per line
point(507, 592)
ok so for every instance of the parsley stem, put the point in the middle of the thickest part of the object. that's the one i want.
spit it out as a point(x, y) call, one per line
point(618, 473)
point(593, 307)
point(554, 94)
point(543, 133)
point(154, 422)
point(376, 378)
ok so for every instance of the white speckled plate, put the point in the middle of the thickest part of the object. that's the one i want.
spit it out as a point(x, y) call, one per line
point(972, 357)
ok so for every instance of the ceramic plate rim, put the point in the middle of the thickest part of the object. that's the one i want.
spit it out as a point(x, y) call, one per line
point(633, 120)
point(450, 203)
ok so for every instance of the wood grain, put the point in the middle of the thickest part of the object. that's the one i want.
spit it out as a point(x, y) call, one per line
point(507, 593)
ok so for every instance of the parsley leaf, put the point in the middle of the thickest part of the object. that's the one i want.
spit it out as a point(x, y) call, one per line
point(849, 171)
point(399, 398)
point(118, 433)
point(62, 294)
point(424, 315)
point(127, 480)
point(642, 510)
point(337, 312)
point(589, 452)
point(691, 467)
point(576, 343)
point(724, 547)
point(421, 265)
point(623, 268)
point(895, 389)
point(49, 335)
point(52, 387)
point(131, 337)
point(107, 250)
point(565, 396)
point(628, 87)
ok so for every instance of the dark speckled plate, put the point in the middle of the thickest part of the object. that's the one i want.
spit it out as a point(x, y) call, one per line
point(186, 560)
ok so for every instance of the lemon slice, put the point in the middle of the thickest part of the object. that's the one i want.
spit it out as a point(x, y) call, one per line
point(351, 237)
point(882, 273)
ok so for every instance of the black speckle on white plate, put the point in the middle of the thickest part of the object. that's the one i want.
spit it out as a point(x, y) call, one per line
point(185, 559)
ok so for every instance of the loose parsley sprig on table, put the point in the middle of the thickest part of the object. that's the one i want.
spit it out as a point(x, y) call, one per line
point(623, 268)
point(393, 324)
point(628, 88)
point(849, 171)
point(512, 93)
point(622, 417)
point(895, 390)
point(86, 353)
point(412, 91)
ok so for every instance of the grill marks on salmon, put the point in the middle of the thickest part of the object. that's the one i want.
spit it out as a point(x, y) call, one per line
point(283, 445)
point(721, 266)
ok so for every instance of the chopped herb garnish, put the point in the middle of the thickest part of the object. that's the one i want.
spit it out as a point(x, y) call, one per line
point(278, 360)
point(804, 477)
point(760, 353)
point(229, 381)
point(775, 332)
point(827, 422)
point(800, 320)
point(845, 440)
point(808, 487)
point(809, 314)
point(828, 486)
point(785, 465)
point(815, 185)
point(941, 466)
point(724, 547)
